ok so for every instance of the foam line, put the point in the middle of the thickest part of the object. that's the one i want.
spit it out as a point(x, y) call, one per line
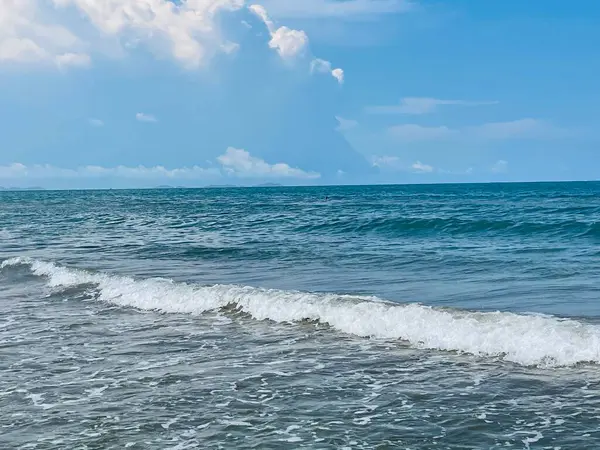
point(519, 338)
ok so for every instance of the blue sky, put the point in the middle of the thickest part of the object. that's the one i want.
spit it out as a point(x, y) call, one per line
point(136, 93)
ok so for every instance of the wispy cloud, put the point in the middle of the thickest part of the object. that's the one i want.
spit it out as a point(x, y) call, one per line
point(518, 129)
point(525, 129)
point(419, 167)
point(318, 65)
point(67, 60)
point(500, 166)
point(96, 122)
point(422, 105)
point(413, 133)
point(345, 124)
point(396, 164)
point(143, 117)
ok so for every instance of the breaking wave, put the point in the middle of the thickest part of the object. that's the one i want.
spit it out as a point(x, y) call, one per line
point(524, 339)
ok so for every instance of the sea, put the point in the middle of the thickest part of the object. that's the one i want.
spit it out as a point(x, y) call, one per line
point(356, 317)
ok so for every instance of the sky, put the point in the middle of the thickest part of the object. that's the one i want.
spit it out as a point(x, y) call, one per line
point(140, 93)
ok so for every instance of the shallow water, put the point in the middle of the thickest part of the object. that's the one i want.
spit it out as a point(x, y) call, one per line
point(386, 317)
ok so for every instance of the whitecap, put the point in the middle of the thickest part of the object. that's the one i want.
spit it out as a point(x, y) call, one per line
point(539, 340)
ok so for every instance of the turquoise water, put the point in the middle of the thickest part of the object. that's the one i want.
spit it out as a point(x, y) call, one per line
point(449, 316)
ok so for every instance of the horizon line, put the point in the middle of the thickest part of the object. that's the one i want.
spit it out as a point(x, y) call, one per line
point(275, 186)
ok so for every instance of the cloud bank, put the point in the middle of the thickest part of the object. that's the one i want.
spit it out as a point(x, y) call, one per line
point(234, 163)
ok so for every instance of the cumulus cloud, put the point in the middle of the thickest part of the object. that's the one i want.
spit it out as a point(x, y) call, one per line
point(240, 163)
point(26, 38)
point(318, 65)
point(286, 41)
point(348, 9)
point(188, 27)
point(291, 43)
point(187, 30)
point(338, 74)
point(34, 31)
point(143, 117)
point(421, 105)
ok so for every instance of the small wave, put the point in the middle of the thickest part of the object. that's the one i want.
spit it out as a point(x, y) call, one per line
point(450, 225)
point(524, 339)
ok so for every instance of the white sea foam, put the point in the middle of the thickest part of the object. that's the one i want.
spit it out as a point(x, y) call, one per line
point(524, 339)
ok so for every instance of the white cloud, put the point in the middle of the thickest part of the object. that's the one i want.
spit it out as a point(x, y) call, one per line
point(394, 163)
point(239, 162)
point(467, 171)
point(517, 129)
point(189, 27)
point(338, 74)
point(291, 43)
point(500, 166)
point(318, 65)
point(234, 162)
point(413, 133)
point(186, 30)
point(143, 117)
point(421, 105)
point(73, 60)
point(96, 122)
point(419, 167)
point(345, 124)
point(19, 171)
point(26, 38)
point(286, 41)
point(347, 9)
point(387, 162)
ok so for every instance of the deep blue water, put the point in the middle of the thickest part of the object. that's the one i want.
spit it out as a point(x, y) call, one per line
point(447, 316)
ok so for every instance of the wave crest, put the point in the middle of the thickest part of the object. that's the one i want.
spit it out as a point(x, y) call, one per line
point(524, 339)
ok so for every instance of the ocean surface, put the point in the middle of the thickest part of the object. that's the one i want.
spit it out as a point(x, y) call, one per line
point(409, 317)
